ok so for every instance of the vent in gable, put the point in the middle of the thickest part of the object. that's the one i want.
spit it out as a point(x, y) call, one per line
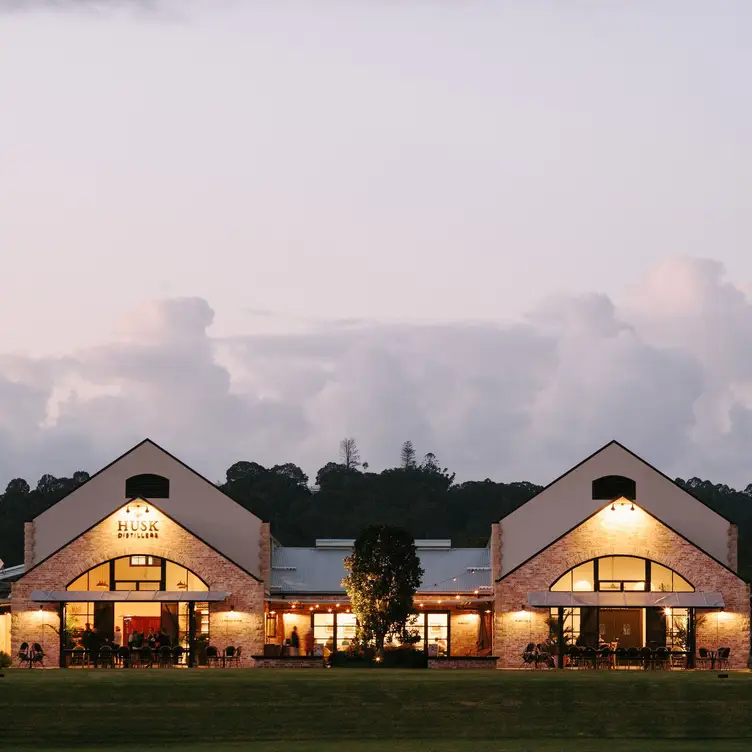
point(147, 486)
point(610, 487)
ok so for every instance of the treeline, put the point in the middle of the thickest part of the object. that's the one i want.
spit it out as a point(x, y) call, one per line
point(418, 495)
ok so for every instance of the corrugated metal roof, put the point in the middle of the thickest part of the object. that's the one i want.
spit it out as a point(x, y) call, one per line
point(321, 570)
point(10, 573)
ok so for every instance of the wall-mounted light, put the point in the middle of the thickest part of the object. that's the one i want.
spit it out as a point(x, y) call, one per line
point(488, 611)
point(232, 609)
point(522, 607)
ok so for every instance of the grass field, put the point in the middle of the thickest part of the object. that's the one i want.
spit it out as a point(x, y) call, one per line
point(361, 711)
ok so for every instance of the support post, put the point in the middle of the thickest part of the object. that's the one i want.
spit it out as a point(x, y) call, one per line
point(191, 633)
point(691, 637)
point(560, 640)
point(61, 634)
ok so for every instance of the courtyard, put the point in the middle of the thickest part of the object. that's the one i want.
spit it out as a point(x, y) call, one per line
point(346, 709)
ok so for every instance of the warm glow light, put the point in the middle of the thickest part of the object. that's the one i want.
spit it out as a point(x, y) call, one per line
point(310, 608)
point(582, 585)
point(329, 610)
point(378, 659)
point(475, 592)
point(667, 611)
point(456, 597)
point(488, 610)
point(621, 512)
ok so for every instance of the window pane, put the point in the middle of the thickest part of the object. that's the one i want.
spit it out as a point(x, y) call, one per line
point(627, 568)
point(323, 629)
point(125, 586)
point(681, 585)
point(176, 577)
point(582, 577)
point(346, 624)
point(634, 585)
point(660, 578)
point(148, 586)
point(564, 583)
point(610, 585)
point(195, 583)
point(606, 568)
point(81, 583)
point(438, 631)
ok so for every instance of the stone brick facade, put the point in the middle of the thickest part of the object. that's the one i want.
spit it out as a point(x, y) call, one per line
point(238, 620)
point(464, 629)
point(635, 533)
point(265, 554)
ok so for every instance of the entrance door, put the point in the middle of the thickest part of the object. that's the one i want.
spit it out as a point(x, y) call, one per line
point(622, 626)
point(104, 620)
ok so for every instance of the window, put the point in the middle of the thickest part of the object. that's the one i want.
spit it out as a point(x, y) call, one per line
point(572, 618)
point(147, 486)
point(621, 573)
point(143, 561)
point(611, 487)
point(139, 572)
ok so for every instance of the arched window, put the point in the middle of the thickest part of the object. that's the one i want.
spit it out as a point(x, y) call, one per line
point(139, 572)
point(621, 573)
point(147, 486)
point(610, 487)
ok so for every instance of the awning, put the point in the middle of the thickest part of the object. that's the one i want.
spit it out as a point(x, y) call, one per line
point(70, 596)
point(627, 599)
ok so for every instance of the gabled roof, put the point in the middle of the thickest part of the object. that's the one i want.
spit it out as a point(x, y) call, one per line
point(169, 517)
point(193, 501)
point(567, 502)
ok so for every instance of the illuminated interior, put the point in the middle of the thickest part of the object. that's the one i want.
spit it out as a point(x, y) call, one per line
point(136, 621)
point(621, 573)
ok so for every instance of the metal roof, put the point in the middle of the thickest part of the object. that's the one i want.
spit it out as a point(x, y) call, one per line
point(321, 569)
point(11, 573)
point(630, 598)
point(49, 596)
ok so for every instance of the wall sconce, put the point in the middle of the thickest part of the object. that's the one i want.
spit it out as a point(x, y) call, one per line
point(232, 609)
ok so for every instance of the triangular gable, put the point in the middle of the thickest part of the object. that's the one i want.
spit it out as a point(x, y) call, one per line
point(568, 501)
point(151, 504)
point(194, 502)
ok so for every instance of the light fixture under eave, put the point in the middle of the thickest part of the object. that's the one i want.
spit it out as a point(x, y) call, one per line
point(101, 584)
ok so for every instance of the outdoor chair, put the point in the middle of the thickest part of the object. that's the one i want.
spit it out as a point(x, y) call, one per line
point(164, 656)
point(106, 658)
point(212, 656)
point(145, 657)
point(528, 657)
point(703, 658)
point(177, 654)
point(124, 656)
point(646, 658)
point(24, 654)
point(633, 657)
point(620, 658)
point(662, 658)
point(678, 659)
point(231, 656)
point(604, 658)
point(722, 658)
point(589, 657)
point(37, 655)
point(575, 655)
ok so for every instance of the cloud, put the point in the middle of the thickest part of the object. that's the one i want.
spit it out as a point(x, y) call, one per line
point(668, 372)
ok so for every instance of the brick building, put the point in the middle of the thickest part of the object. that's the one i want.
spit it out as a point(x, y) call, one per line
point(613, 552)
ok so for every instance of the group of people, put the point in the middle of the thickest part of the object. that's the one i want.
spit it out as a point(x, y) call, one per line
point(93, 641)
point(294, 642)
point(153, 639)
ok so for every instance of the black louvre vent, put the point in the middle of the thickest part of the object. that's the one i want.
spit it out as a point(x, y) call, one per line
point(611, 487)
point(148, 486)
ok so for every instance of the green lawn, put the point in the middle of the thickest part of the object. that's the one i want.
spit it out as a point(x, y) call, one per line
point(358, 711)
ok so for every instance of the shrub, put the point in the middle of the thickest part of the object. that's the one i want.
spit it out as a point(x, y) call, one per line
point(5, 660)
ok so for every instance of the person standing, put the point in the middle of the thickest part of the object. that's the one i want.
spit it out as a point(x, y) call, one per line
point(309, 642)
point(295, 641)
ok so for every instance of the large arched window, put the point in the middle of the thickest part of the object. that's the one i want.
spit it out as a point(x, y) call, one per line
point(621, 573)
point(139, 572)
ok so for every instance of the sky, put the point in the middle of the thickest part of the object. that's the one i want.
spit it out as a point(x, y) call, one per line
point(506, 231)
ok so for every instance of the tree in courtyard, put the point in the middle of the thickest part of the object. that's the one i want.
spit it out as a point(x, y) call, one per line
point(384, 573)
point(407, 455)
point(349, 454)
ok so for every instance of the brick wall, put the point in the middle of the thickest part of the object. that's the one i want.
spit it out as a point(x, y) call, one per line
point(265, 554)
point(243, 627)
point(464, 629)
point(28, 545)
point(607, 533)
